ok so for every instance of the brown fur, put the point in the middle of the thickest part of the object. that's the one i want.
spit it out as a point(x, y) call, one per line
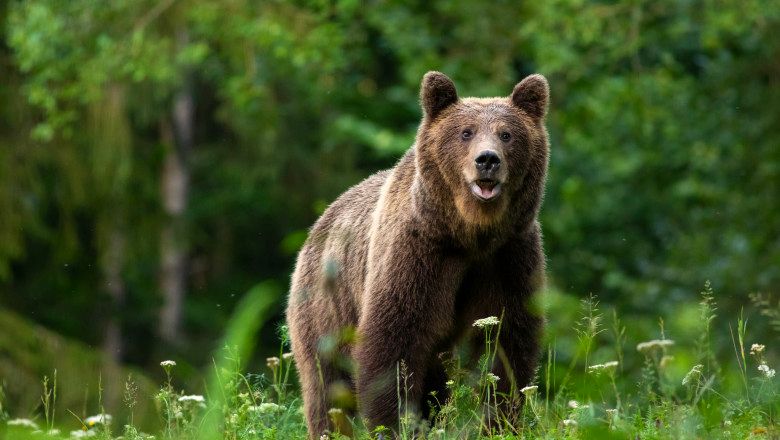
point(410, 258)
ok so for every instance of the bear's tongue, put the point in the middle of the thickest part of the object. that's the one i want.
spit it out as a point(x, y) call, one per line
point(487, 188)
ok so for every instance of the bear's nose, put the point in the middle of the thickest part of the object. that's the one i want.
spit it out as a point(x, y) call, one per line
point(487, 161)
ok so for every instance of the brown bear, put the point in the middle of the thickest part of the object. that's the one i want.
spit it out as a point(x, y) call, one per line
point(412, 256)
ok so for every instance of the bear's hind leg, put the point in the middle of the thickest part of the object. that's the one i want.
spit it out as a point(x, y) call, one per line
point(320, 381)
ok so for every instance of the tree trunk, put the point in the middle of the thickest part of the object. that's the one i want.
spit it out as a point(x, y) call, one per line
point(178, 140)
point(173, 257)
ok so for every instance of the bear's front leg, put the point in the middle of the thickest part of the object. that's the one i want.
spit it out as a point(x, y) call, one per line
point(516, 358)
point(505, 286)
point(521, 332)
point(408, 307)
point(521, 329)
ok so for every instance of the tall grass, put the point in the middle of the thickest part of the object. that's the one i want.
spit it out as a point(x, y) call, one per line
point(591, 383)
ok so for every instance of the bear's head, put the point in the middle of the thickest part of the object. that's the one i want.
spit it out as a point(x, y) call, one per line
point(489, 153)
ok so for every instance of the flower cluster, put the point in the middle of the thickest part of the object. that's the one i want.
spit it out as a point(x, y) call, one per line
point(197, 398)
point(492, 378)
point(23, 423)
point(168, 366)
point(693, 374)
point(757, 349)
point(605, 367)
point(646, 347)
point(100, 419)
point(486, 322)
point(766, 371)
point(529, 390)
point(272, 362)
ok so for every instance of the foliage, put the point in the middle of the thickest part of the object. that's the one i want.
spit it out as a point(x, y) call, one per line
point(656, 393)
point(664, 167)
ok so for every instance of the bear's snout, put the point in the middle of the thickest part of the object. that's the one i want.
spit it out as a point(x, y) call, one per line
point(486, 184)
point(487, 163)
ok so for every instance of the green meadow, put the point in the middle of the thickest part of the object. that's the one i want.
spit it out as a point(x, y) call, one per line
point(595, 381)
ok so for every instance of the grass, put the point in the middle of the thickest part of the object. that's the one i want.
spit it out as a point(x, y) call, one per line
point(594, 382)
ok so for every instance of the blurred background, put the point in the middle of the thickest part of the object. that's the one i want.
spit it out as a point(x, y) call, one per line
point(159, 159)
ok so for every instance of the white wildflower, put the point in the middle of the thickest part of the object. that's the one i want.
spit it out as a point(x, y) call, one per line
point(693, 374)
point(600, 368)
point(272, 362)
point(569, 422)
point(100, 419)
point(197, 398)
point(573, 404)
point(728, 422)
point(529, 390)
point(324, 437)
point(168, 364)
point(450, 383)
point(492, 378)
point(766, 371)
point(654, 344)
point(23, 423)
point(287, 356)
point(439, 433)
point(612, 412)
point(82, 434)
point(486, 322)
point(756, 349)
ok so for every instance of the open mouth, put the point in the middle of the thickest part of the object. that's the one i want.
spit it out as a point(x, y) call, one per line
point(486, 189)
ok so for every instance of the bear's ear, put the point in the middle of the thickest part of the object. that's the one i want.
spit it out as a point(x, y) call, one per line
point(437, 92)
point(531, 95)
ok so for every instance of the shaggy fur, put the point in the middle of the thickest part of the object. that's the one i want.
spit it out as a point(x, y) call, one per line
point(411, 257)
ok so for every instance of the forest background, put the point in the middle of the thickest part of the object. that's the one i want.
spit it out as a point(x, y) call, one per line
point(159, 159)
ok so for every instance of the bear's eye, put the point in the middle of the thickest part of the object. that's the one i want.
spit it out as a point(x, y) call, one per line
point(504, 136)
point(466, 134)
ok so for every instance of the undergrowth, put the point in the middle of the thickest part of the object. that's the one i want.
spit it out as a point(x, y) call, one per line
point(592, 383)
